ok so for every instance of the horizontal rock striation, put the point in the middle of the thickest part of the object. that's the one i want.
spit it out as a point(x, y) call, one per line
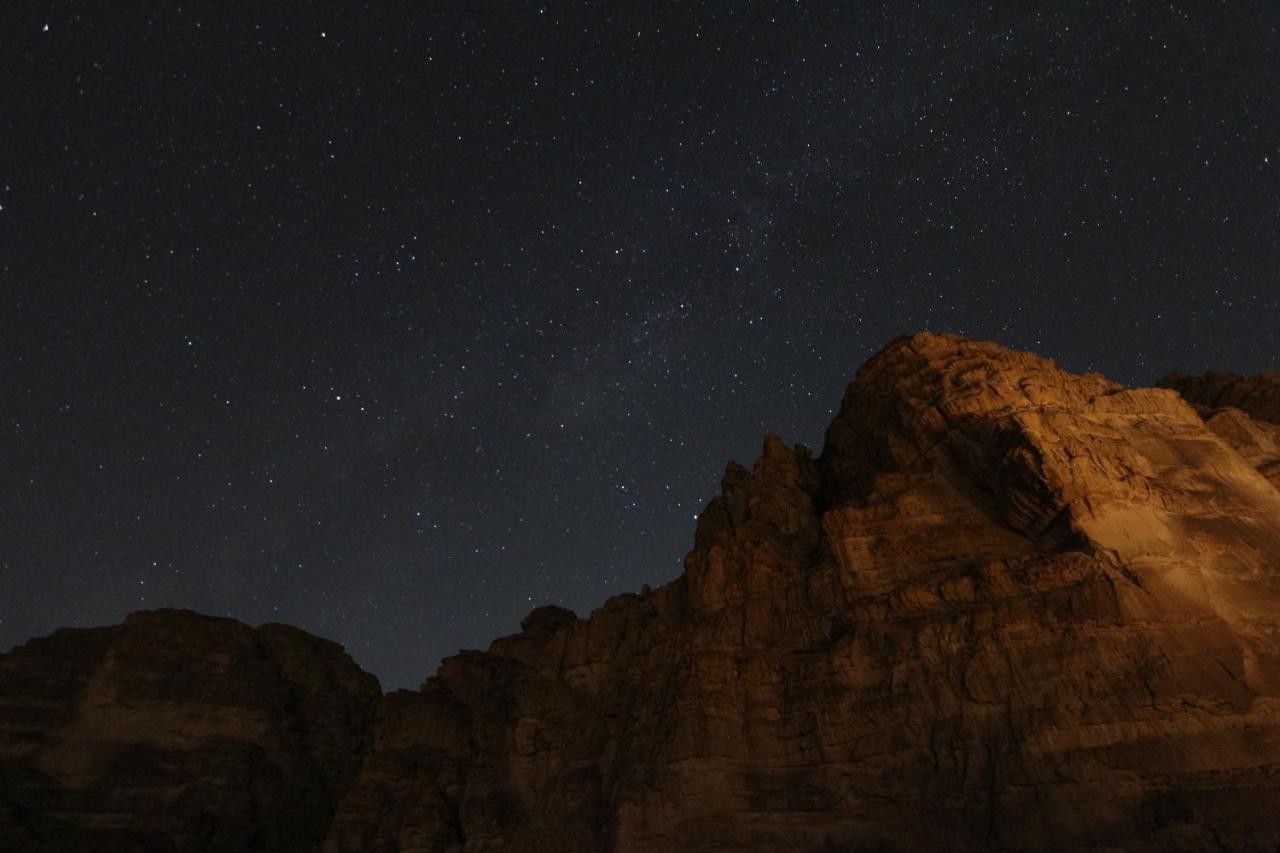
point(1007, 608)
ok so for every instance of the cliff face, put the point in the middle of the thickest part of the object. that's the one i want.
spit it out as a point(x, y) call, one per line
point(1007, 608)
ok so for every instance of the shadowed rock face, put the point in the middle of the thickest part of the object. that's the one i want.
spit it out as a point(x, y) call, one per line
point(176, 731)
point(1008, 608)
point(1257, 396)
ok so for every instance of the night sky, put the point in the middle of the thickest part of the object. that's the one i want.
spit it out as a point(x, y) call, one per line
point(395, 321)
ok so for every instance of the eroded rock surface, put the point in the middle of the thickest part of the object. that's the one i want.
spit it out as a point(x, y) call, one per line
point(1007, 608)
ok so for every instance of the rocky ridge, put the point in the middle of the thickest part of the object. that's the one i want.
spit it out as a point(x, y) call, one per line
point(1007, 608)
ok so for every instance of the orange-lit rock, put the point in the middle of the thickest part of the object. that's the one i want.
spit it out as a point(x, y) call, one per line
point(1007, 608)
point(1243, 412)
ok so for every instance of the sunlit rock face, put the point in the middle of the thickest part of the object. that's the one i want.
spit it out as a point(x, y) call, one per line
point(1007, 608)
point(176, 731)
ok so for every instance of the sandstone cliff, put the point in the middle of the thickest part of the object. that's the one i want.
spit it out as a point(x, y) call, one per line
point(1007, 608)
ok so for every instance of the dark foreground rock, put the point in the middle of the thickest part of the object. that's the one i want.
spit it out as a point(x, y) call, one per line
point(176, 731)
point(1007, 608)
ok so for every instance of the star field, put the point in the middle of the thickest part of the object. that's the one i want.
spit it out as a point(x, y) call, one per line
point(394, 321)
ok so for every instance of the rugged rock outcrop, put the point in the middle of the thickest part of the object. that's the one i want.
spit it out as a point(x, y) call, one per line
point(1257, 396)
point(1007, 608)
point(1243, 412)
point(181, 732)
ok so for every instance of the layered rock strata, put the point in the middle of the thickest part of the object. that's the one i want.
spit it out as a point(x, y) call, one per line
point(1007, 608)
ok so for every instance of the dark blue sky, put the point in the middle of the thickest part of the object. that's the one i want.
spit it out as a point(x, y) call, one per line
point(394, 321)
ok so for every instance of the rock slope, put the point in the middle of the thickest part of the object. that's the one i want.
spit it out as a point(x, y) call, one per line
point(1007, 608)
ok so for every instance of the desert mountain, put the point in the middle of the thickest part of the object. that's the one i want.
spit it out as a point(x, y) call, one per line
point(1007, 608)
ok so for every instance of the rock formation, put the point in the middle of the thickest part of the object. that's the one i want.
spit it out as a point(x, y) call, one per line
point(1258, 396)
point(1243, 412)
point(176, 731)
point(1007, 608)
